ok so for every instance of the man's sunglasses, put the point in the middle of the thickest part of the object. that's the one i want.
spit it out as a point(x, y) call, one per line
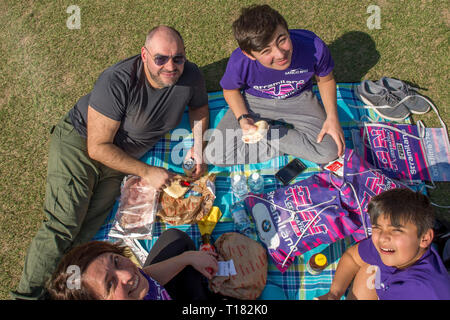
point(161, 60)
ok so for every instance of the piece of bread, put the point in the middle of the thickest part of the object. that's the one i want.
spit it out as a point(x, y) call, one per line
point(257, 135)
point(176, 190)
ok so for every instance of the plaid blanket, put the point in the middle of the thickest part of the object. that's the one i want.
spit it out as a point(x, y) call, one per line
point(297, 283)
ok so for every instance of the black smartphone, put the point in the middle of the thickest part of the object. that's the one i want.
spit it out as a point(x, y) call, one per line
point(286, 174)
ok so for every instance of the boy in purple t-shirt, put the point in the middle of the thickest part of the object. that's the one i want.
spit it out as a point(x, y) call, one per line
point(270, 77)
point(398, 261)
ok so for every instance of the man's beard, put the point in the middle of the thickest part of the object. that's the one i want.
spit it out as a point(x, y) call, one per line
point(157, 78)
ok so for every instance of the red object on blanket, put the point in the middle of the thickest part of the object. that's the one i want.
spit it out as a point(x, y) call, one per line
point(185, 183)
point(207, 246)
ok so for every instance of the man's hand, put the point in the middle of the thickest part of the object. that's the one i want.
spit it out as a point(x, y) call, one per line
point(199, 120)
point(332, 127)
point(159, 178)
point(200, 165)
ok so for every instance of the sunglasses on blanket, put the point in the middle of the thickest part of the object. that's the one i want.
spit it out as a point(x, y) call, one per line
point(161, 60)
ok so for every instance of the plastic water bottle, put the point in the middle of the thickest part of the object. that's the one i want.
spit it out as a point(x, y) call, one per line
point(242, 220)
point(239, 186)
point(256, 183)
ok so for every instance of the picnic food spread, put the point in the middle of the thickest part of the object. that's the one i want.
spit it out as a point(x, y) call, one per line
point(320, 210)
point(195, 204)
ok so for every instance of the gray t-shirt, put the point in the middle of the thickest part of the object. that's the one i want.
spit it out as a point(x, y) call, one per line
point(123, 93)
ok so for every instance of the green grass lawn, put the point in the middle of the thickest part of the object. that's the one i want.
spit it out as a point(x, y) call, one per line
point(46, 67)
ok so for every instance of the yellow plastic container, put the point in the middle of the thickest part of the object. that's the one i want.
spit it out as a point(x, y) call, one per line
point(208, 223)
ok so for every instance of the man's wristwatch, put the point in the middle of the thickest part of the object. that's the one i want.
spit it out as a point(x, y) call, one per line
point(244, 116)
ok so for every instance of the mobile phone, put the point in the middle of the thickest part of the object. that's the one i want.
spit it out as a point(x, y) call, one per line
point(286, 174)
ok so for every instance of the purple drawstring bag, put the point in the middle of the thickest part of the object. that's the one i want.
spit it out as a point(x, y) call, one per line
point(318, 210)
point(361, 182)
point(299, 217)
point(410, 153)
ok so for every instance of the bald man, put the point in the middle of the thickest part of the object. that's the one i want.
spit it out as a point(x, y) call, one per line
point(132, 105)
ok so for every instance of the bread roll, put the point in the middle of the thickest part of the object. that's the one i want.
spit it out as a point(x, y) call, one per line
point(257, 135)
point(176, 190)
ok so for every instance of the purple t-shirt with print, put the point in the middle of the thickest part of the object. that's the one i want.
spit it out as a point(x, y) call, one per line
point(155, 290)
point(427, 279)
point(310, 57)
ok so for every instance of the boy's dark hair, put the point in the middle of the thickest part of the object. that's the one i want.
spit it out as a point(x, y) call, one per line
point(255, 27)
point(401, 206)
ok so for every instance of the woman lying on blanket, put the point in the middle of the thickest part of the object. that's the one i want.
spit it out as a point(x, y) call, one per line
point(102, 271)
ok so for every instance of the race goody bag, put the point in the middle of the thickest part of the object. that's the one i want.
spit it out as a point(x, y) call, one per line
point(362, 181)
point(318, 210)
point(410, 153)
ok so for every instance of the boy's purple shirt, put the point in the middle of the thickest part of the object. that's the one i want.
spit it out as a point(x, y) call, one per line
point(310, 57)
point(427, 279)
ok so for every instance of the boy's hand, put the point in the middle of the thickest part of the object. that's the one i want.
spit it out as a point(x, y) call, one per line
point(248, 126)
point(328, 296)
point(334, 129)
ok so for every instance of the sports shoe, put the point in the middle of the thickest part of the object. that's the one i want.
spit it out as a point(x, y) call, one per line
point(381, 101)
point(412, 100)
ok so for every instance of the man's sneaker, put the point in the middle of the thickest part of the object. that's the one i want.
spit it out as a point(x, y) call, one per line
point(381, 101)
point(412, 100)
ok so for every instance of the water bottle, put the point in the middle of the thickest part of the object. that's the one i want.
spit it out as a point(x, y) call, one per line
point(239, 186)
point(188, 166)
point(256, 183)
point(242, 220)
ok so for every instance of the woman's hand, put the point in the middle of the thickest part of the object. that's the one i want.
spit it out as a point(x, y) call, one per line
point(202, 261)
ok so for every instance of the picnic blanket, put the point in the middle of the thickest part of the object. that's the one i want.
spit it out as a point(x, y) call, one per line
point(296, 283)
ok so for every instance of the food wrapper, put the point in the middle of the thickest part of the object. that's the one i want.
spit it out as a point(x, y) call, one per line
point(193, 207)
point(249, 259)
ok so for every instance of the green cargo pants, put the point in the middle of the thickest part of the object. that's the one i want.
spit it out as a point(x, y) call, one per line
point(80, 193)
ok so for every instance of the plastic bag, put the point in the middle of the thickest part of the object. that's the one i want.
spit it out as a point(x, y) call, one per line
point(138, 205)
